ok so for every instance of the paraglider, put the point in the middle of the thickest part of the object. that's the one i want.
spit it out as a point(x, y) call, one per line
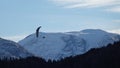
point(37, 31)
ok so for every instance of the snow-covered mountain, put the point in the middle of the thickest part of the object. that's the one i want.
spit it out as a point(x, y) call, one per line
point(55, 46)
point(10, 49)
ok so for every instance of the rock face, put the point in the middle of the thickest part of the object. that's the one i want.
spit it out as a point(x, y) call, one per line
point(10, 49)
point(55, 46)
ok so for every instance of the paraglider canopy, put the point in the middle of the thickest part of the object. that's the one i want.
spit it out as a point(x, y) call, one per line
point(37, 31)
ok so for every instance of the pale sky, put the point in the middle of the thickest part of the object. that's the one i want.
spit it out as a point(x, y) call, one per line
point(19, 18)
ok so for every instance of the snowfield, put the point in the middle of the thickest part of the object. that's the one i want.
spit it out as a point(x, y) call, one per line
point(55, 46)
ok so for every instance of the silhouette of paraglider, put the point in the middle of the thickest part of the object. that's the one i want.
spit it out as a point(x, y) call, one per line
point(37, 31)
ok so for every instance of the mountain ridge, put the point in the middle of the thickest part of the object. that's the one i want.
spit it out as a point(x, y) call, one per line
point(10, 49)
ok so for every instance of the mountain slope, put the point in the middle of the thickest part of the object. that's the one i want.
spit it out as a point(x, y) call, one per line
point(105, 57)
point(10, 49)
point(55, 46)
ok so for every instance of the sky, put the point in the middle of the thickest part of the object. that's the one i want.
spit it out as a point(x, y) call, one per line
point(19, 18)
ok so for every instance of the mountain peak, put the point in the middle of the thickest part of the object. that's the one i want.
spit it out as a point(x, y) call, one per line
point(93, 31)
point(55, 46)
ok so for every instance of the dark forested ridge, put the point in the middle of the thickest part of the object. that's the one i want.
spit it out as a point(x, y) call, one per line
point(105, 57)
